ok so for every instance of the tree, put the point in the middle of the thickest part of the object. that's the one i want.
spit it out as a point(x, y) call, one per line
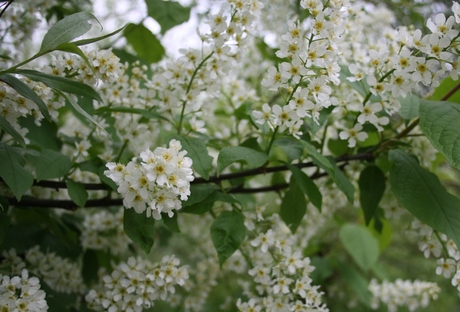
point(239, 176)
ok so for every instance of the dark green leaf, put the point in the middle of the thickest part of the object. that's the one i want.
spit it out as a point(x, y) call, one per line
point(171, 223)
point(96, 39)
point(294, 206)
point(139, 229)
point(371, 188)
point(52, 164)
point(43, 135)
point(440, 122)
point(227, 234)
point(61, 83)
point(308, 187)
point(197, 151)
point(167, 13)
point(198, 193)
point(26, 92)
point(5, 222)
point(320, 160)
point(12, 171)
point(8, 128)
point(421, 192)
point(77, 192)
point(90, 266)
point(67, 29)
point(104, 179)
point(337, 147)
point(359, 242)
point(229, 155)
point(144, 42)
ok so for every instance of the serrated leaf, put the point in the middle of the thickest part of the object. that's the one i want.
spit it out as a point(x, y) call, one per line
point(439, 121)
point(421, 192)
point(52, 164)
point(167, 13)
point(227, 234)
point(26, 92)
point(8, 128)
point(291, 147)
point(371, 188)
point(197, 151)
point(12, 171)
point(139, 229)
point(409, 106)
point(77, 192)
point(67, 29)
point(144, 42)
point(307, 186)
point(61, 83)
point(362, 246)
point(293, 206)
point(229, 155)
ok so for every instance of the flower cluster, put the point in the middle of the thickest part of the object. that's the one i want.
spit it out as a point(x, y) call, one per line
point(22, 293)
point(58, 273)
point(413, 295)
point(136, 284)
point(156, 184)
point(104, 231)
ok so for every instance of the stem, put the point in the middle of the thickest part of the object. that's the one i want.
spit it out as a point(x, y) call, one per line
point(272, 140)
point(189, 86)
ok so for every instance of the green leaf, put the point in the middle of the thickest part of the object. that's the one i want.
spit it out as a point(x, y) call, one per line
point(148, 114)
point(139, 229)
point(206, 204)
point(319, 159)
point(227, 234)
point(421, 192)
point(8, 128)
point(340, 179)
point(439, 121)
point(5, 222)
point(294, 206)
point(291, 147)
point(371, 188)
point(229, 155)
point(444, 88)
point(307, 186)
point(12, 171)
point(337, 147)
point(67, 29)
point(90, 266)
point(359, 242)
point(61, 83)
point(26, 92)
point(144, 42)
point(409, 106)
point(96, 39)
point(198, 193)
point(52, 164)
point(357, 283)
point(43, 135)
point(167, 13)
point(171, 222)
point(197, 151)
point(77, 192)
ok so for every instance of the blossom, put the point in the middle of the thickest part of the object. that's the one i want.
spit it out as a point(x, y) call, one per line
point(353, 135)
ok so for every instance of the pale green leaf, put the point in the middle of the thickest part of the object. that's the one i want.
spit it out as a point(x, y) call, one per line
point(67, 29)
point(359, 242)
point(409, 106)
point(144, 42)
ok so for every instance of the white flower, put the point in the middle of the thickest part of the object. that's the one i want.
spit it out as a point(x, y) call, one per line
point(446, 267)
point(353, 135)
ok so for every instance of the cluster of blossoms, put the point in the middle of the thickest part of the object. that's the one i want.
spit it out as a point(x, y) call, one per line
point(413, 295)
point(60, 274)
point(312, 66)
point(136, 284)
point(104, 231)
point(156, 184)
point(22, 293)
